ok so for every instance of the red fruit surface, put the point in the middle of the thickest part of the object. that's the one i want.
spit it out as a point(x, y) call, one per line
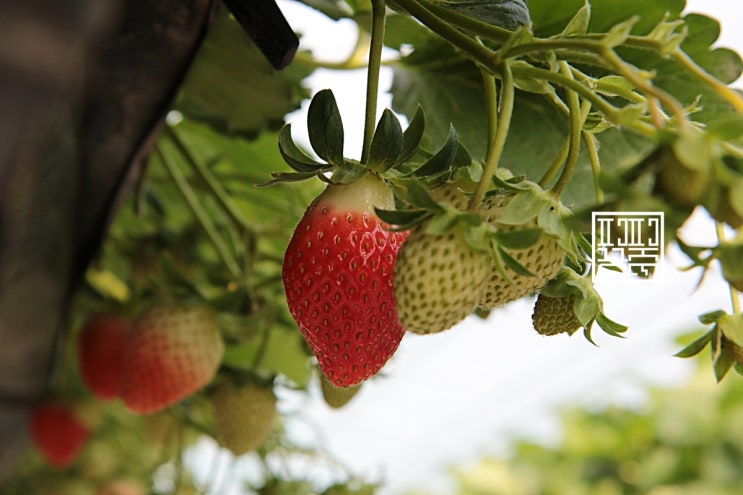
point(101, 346)
point(57, 433)
point(172, 352)
point(338, 279)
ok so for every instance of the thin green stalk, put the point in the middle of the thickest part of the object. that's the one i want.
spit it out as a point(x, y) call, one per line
point(645, 86)
point(589, 140)
point(505, 114)
point(491, 97)
point(201, 215)
point(219, 192)
point(576, 125)
point(372, 75)
point(729, 94)
point(555, 166)
point(356, 59)
point(438, 23)
point(611, 112)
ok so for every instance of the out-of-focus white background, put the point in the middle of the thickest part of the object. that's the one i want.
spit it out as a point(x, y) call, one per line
point(451, 398)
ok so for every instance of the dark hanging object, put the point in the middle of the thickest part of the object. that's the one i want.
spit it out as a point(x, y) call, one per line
point(267, 26)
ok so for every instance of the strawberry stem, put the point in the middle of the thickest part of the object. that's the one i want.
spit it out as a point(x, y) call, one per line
point(503, 124)
point(576, 126)
point(372, 75)
point(199, 212)
point(589, 140)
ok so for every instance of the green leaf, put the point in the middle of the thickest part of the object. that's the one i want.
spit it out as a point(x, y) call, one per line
point(231, 86)
point(387, 143)
point(508, 14)
point(325, 127)
point(619, 33)
point(695, 347)
point(293, 155)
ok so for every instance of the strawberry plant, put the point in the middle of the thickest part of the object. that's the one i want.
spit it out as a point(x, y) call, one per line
point(281, 252)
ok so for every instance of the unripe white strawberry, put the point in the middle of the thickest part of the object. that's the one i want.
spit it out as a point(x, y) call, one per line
point(438, 280)
point(543, 259)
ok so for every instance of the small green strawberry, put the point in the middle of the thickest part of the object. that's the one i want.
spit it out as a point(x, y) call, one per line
point(336, 397)
point(244, 415)
point(173, 351)
point(554, 315)
point(684, 168)
point(438, 279)
point(543, 259)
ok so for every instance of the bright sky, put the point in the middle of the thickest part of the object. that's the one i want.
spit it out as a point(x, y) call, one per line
point(451, 398)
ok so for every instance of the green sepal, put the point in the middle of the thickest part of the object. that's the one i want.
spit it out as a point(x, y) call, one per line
point(578, 25)
point(513, 264)
point(442, 160)
point(610, 326)
point(695, 347)
point(618, 34)
point(387, 143)
point(732, 328)
point(279, 177)
point(738, 368)
point(412, 136)
point(325, 127)
point(293, 154)
point(518, 239)
point(722, 365)
point(418, 196)
point(440, 224)
point(477, 236)
point(711, 317)
point(347, 173)
point(402, 219)
point(669, 36)
point(524, 207)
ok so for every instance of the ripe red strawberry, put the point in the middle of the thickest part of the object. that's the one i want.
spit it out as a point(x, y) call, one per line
point(58, 433)
point(101, 345)
point(338, 279)
point(173, 351)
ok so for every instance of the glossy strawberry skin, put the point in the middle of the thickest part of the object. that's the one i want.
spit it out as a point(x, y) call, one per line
point(101, 346)
point(338, 277)
point(172, 352)
point(58, 434)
